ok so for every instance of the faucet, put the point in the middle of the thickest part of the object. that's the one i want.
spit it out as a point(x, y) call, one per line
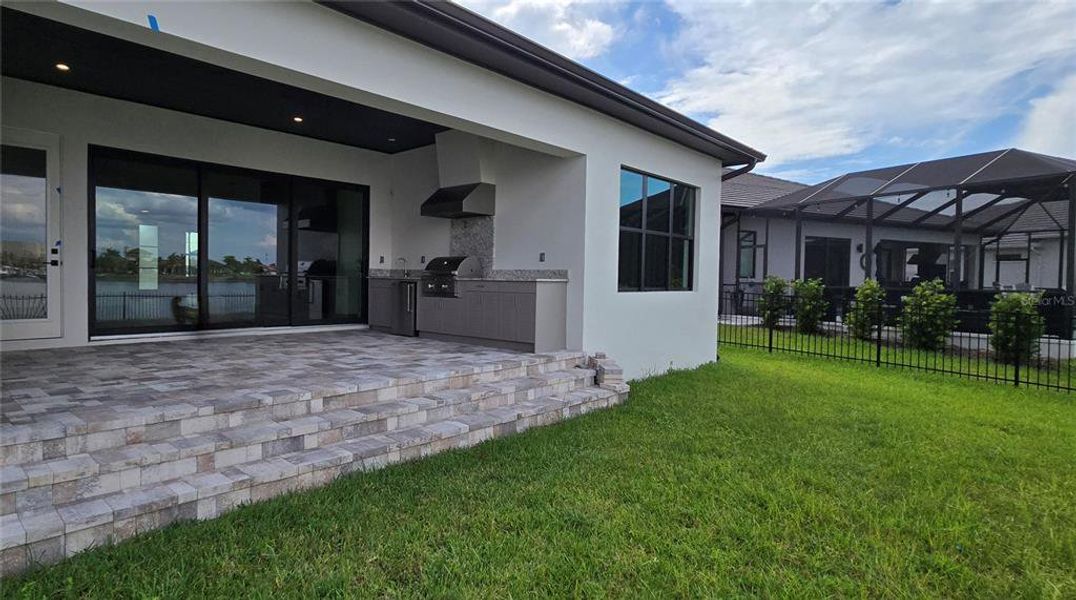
point(403, 261)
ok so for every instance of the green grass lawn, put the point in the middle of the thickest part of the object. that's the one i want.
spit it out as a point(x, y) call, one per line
point(760, 475)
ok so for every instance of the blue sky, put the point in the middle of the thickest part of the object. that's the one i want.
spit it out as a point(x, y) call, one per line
point(826, 87)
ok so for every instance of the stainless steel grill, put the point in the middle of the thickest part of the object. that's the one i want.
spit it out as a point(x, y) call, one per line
point(441, 275)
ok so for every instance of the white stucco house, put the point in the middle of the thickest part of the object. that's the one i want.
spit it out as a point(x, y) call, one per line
point(146, 118)
point(249, 247)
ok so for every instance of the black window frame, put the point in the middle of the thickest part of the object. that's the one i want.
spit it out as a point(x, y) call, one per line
point(668, 235)
point(753, 248)
point(829, 243)
point(96, 152)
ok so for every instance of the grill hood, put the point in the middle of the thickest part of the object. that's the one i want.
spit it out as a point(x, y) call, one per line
point(459, 201)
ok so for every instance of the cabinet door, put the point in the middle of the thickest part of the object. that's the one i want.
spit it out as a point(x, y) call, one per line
point(517, 316)
point(494, 316)
point(507, 319)
point(455, 316)
point(381, 304)
point(474, 314)
point(526, 309)
point(430, 315)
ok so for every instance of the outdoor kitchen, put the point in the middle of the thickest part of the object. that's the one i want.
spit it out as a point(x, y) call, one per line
point(461, 296)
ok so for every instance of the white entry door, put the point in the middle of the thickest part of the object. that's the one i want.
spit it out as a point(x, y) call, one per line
point(31, 253)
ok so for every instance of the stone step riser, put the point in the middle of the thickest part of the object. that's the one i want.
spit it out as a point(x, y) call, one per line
point(43, 490)
point(104, 435)
point(48, 536)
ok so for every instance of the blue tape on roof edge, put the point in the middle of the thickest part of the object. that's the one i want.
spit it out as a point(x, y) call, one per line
point(153, 23)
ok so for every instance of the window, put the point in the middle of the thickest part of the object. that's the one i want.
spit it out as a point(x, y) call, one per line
point(657, 225)
point(24, 237)
point(748, 245)
point(828, 259)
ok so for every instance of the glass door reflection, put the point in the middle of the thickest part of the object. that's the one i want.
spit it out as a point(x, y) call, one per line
point(185, 245)
point(248, 249)
point(146, 248)
point(330, 247)
point(24, 274)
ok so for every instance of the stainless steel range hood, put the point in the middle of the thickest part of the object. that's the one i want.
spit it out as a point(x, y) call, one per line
point(460, 201)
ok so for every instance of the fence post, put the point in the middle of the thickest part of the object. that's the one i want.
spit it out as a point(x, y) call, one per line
point(1018, 349)
point(878, 342)
point(123, 310)
point(770, 329)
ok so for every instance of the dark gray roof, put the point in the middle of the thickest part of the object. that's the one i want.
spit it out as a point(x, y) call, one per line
point(1019, 240)
point(1003, 191)
point(751, 189)
point(974, 172)
point(454, 30)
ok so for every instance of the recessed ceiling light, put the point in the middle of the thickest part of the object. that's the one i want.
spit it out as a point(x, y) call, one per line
point(392, 139)
point(297, 119)
point(62, 67)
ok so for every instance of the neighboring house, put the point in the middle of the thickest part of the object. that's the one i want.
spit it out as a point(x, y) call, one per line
point(1019, 203)
point(229, 165)
point(742, 240)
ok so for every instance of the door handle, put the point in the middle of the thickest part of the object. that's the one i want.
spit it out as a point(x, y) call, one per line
point(52, 263)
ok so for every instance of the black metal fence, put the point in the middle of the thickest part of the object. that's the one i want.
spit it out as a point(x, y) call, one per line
point(33, 306)
point(972, 349)
point(129, 306)
point(156, 307)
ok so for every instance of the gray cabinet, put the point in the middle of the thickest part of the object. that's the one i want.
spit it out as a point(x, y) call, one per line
point(392, 305)
point(384, 297)
point(430, 314)
point(525, 314)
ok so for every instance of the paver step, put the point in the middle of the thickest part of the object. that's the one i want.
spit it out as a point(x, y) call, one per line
point(90, 475)
point(94, 428)
point(48, 533)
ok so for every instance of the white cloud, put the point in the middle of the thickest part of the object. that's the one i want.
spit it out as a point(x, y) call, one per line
point(268, 242)
point(1050, 127)
point(802, 80)
point(578, 30)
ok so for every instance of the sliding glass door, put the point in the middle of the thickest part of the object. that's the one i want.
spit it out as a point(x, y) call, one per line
point(180, 245)
point(248, 278)
point(145, 261)
point(330, 227)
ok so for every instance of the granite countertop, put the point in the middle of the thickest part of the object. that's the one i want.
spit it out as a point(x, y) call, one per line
point(396, 277)
point(508, 279)
point(508, 275)
point(514, 280)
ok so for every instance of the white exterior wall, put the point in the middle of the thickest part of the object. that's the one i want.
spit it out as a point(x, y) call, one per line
point(782, 249)
point(650, 332)
point(569, 212)
point(414, 175)
point(1043, 268)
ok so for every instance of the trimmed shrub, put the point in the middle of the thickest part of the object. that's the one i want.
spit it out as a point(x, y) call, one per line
point(929, 316)
point(1016, 326)
point(809, 304)
point(773, 304)
point(866, 313)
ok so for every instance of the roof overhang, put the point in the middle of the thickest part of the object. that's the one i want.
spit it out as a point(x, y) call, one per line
point(456, 31)
point(114, 67)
